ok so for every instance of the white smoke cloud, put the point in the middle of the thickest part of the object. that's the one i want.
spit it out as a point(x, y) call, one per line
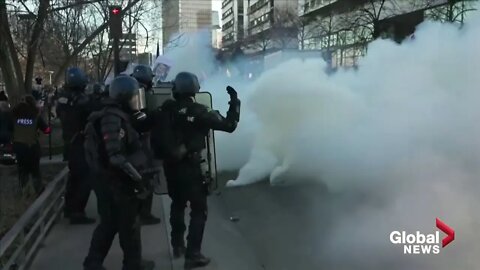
point(191, 52)
point(402, 130)
point(400, 133)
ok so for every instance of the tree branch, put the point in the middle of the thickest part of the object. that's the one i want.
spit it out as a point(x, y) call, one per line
point(89, 39)
point(76, 4)
point(34, 42)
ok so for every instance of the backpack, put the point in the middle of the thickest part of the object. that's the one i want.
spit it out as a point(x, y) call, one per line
point(92, 142)
point(166, 138)
point(95, 152)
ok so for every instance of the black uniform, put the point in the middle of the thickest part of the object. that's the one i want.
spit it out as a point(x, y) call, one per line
point(99, 92)
point(144, 75)
point(186, 182)
point(6, 123)
point(73, 108)
point(121, 158)
point(27, 122)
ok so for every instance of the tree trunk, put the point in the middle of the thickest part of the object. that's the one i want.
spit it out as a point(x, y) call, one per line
point(376, 29)
point(9, 64)
point(34, 43)
point(450, 10)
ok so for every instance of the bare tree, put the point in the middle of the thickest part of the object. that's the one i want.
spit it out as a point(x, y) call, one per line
point(373, 13)
point(74, 25)
point(453, 11)
point(308, 29)
point(135, 10)
point(284, 29)
point(262, 40)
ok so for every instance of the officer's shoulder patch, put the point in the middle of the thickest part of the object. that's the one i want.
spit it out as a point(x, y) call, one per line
point(183, 110)
point(63, 100)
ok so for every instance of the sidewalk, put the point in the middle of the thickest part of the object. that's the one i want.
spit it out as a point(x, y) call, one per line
point(67, 245)
point(55, 159)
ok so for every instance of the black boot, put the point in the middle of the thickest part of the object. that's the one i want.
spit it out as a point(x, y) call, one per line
point(38, 185)
point(148, 265)
point(94, 268)
point(149, 220)
point(80, 219)
point(22, 181)
point(196, 260)
point(178, 251)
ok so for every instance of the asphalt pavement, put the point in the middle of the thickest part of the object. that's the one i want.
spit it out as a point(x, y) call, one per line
point(66, 245)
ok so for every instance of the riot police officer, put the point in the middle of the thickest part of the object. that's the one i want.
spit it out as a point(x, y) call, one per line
point(98, 92)
point(73, 109)
point(144, 75)
point(120, 161)
point(97, 96)
point(186, 182)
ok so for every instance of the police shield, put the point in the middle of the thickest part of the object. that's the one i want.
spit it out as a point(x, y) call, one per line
point(158, 95)
point(154, 99)
point(209, 164)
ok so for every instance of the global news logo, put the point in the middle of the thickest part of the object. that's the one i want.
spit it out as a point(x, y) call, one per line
point(419, 243)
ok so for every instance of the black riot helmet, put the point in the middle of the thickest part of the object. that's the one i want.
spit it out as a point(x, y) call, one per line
point(98, 89)
point(185, 84)
point(76, 79)
point(126, 91)
point(144, 75)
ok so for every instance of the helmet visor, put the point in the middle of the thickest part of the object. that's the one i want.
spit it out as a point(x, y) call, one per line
point(138, 101)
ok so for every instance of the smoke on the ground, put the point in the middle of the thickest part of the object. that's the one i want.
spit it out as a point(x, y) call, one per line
point(402, 131)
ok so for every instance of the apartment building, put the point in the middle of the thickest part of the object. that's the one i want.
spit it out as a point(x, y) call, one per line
point(260, 19)
point(343, 28)
point(184, 16)
point(233, 18)
point(216, 30)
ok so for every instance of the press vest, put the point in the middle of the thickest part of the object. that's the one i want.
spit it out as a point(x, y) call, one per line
point(25, 130)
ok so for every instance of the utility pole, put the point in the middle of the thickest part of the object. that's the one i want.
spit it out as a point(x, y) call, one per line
point(116, 33)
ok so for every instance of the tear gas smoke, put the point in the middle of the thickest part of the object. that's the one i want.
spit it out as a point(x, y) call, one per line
point(191, 52)
point(401, 131)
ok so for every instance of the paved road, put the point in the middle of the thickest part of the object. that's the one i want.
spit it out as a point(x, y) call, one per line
point(66, 245)
point(278, 228)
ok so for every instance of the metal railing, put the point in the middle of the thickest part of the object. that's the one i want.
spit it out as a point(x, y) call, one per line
point(19, 245)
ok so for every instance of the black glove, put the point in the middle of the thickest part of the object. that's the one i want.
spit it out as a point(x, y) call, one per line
point(232, 93)
point(139, 116)
point(132, 172)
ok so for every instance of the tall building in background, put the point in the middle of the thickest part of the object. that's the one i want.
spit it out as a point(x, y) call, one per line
point(342, 29)
point(261, 15)
point(184, 16)
point(233, 17)
point(216, 30)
